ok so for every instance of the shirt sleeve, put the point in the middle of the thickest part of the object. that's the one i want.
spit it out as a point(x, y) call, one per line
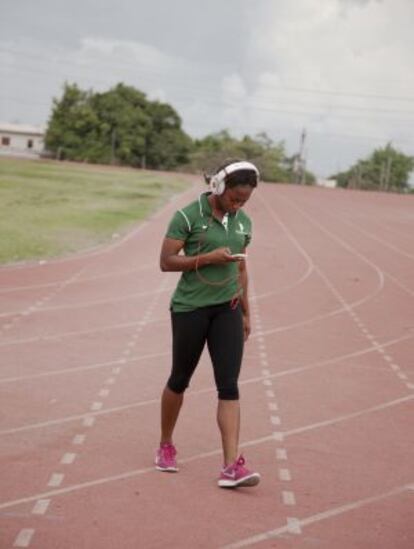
point(179, 226)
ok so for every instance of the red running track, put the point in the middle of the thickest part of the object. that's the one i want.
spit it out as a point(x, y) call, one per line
point(327, 389)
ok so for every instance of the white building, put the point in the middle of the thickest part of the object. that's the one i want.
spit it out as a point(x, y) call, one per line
point(329, 183)
point(21, 140)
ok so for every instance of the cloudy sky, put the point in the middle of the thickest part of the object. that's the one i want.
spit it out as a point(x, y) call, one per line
point(342, 69)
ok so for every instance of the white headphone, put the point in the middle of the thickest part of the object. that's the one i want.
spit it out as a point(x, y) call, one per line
point(218, 180)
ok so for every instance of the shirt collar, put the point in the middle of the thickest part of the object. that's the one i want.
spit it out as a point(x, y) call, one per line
point(205, 206)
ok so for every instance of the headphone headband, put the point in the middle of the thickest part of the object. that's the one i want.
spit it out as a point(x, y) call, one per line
point(217, 182)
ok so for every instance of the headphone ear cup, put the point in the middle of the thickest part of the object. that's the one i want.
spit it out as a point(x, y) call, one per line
point(217, 185)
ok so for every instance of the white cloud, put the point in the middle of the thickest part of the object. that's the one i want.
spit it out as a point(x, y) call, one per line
point(259, 71)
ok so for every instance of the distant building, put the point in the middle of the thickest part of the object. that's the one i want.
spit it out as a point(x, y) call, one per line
point(330, 183)
point(21, 140)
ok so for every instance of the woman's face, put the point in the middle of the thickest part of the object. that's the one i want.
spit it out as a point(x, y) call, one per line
point(234, 198)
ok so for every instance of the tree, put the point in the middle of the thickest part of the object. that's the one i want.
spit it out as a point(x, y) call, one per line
point(215, 149)
point(386, 169)
point(117, 126)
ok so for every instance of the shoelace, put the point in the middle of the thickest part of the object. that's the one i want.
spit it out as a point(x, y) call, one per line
point(169, 451)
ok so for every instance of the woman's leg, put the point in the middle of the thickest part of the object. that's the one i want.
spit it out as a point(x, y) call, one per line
point(170, 408)
point(225, 343)
point(228, 419)
point(189, 331)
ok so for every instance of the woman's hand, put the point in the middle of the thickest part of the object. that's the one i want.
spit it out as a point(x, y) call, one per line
point(220, 256)
point(246, 326)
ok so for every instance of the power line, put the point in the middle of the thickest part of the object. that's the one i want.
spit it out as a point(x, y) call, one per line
point(289, 89)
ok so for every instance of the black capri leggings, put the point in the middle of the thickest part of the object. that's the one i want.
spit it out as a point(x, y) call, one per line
point(222, 328)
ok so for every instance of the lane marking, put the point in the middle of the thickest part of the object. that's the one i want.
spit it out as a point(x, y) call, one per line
point(89, 419)
point(96, 406)
point(41, 506)
point(61, 335)
point(129, 474)
point(284, 474)
point(104, 393)
point(24, 537)
point(318, 517)
point(294, 525)
point(55, 480)
point(68, 458)
point(130, 362)
point(275, 420)
point(78, 439)
point(346, 417)
point(281, 454)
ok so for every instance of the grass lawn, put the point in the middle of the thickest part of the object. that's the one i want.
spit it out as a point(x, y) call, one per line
point(50, 208)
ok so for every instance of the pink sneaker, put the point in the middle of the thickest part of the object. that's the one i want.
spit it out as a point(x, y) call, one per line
point(236, 475)
point(165, 458)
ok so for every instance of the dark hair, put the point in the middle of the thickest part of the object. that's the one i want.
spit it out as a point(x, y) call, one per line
point(239, 177)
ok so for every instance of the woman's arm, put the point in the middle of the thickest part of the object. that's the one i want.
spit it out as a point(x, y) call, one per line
point(172, 260)
point(244, 300)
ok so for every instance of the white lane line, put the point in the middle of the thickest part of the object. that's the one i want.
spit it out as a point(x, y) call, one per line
point(41, 506)
point(402, 376)
point(346, 417)
point(87, 421)
point(284, 474)
point(24, 537)
point(61, 335)
point(78, 439)
point(83, 304)
point(288, 497)
point(294, 525)
point(131, 362)
point(395, 367)
point(281, 454)
point(56, 480)
point(277, 435)
point(68, 458)
point(335, 511)
point(329, 361)
point(410, 385)
point(104, 393)
point(126, 475)
point(272, 406)
point(116, 370)
point(110, 381)
point(79, 281)
point(270, 393)
point(275, 420)
point(95, 406)
point(267, 382)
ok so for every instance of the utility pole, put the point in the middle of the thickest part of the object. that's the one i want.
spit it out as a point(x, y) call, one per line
point(300, 173)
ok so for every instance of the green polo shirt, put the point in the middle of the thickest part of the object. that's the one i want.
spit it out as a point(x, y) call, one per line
point(202, 233)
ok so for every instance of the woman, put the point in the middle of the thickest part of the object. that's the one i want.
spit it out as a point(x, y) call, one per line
point(210, 304)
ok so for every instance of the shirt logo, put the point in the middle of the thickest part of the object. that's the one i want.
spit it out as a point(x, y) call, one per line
point(241, 229)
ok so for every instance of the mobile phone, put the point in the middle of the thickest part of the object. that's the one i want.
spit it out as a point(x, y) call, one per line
point(239, 256)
